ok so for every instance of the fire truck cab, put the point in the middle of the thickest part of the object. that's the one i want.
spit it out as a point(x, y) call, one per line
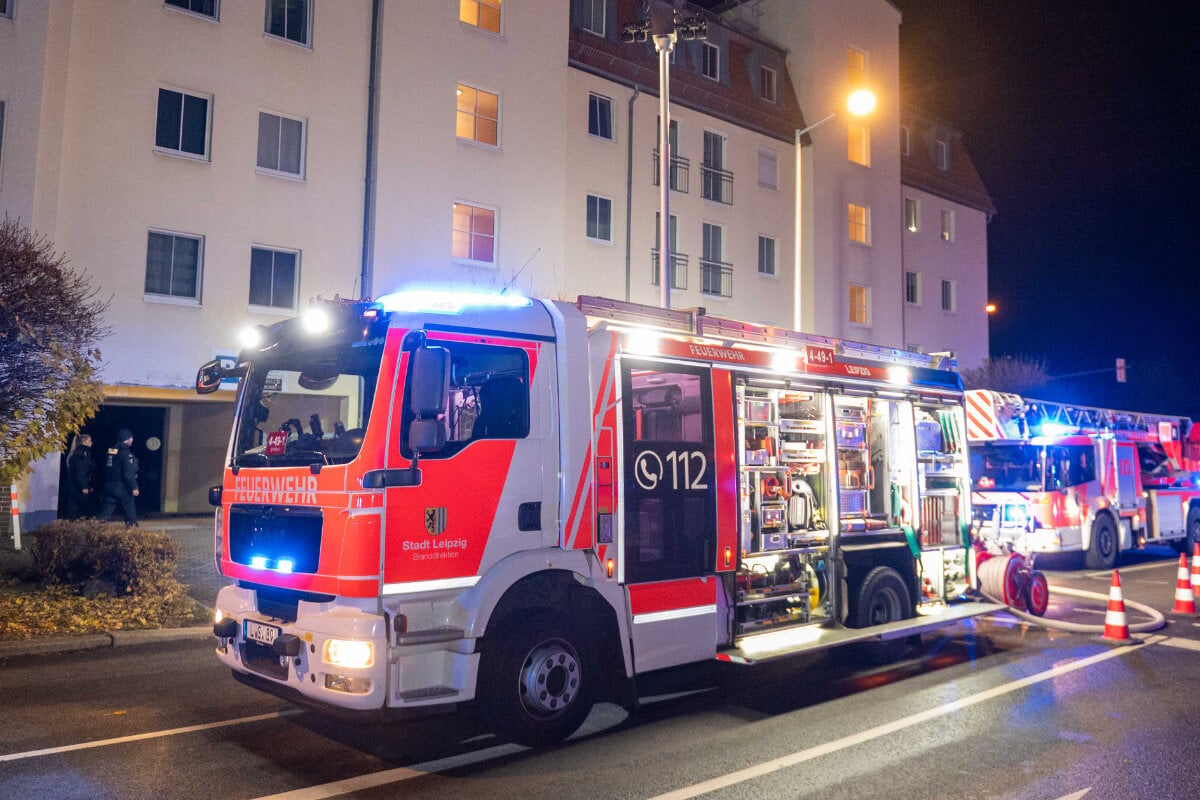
point(1051, 477)
point(444, 498)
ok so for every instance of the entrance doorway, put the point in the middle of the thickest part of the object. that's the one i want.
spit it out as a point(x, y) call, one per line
point(148, 424)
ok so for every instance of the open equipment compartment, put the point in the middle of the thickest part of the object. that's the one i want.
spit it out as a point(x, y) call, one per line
point(783, 574)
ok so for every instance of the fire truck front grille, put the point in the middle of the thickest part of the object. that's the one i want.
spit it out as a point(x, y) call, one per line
point(282, 604)
point(265, 536)
point(262, 659)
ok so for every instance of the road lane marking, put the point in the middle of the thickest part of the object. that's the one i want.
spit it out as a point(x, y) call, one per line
point(1076, 795)
point(767, 767)
point(137, 737)
point(374, 779)
point(1182, 644)
point(1107, 573)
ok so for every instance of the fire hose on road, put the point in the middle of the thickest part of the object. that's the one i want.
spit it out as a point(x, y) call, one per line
point(1011, 581)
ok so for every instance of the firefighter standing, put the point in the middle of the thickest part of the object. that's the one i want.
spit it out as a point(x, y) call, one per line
point(120, 479)
point(80, 470)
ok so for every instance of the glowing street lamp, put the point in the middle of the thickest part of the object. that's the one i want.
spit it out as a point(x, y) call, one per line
point(859, 103)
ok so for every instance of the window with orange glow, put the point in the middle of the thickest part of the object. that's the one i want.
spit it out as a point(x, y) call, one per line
point(856, 67)
point(859, 144)
point(474, 234)
point(860, 298)
point(480, 13)
point(478, 115)
point(858, 220)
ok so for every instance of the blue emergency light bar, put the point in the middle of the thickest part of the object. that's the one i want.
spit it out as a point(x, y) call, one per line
point(448, 302)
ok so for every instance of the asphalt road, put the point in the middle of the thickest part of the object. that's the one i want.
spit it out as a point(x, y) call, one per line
point(991, 709)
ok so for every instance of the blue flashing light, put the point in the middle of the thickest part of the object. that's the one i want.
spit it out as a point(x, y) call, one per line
point(284, 565)
point(438, 301)
point(1056, 429)
point(258, 562)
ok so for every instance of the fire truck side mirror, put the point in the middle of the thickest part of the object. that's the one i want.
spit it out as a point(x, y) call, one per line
point(426, 435)
point(430, 381)
point(208, 377)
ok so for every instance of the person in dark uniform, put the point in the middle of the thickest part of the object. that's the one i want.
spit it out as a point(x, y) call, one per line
point(120, 479)
point(80, 471)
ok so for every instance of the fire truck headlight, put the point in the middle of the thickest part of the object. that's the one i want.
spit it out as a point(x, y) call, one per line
point(316, 320)
point(349, 654)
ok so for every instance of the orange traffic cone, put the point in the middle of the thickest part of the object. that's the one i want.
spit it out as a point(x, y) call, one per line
point(1196, 570)
point(1185, 600)
point(1116, 629)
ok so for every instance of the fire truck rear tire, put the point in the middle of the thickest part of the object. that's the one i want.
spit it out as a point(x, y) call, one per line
point(1106, 542)
point(1193, 531)
point(536, 679)
point(883, 597)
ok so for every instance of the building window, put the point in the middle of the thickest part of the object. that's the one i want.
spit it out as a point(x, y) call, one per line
point(6, 9)
point(1, 132)
point(183, 121)
point(474, 234)
point(856, 67)
point(600, 116)
point(912, 214)
point(291, 20)
point(716, 276)
point(949, 296)
point(903, 140)
point(679, 261)
point(912, 288)
point(768, 84)
point(768, 168)
point(710, 64)
point(205, 8)
point(717, 182)
point(173, 265)
point(860, 305)
point(595, 12)
point(947, 226)
point(941, 154)
point(478, 115)
point(766, 255)
point(274, 278)
point(859, 144)
point(480, 13)
point(281, 144)
point(860, 224)
point(599, 219)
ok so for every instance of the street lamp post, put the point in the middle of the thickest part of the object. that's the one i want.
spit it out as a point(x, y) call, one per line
point(666, 25)
point(860, 103)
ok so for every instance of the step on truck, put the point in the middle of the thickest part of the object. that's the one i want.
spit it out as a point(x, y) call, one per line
point(437, 499)
point(1051, 477)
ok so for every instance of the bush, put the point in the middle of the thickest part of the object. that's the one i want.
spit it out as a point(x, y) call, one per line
point(76, 552)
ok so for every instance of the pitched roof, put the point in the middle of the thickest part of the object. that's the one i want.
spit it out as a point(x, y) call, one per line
point(960, 183)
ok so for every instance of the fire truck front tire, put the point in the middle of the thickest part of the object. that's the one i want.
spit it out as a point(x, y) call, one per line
point(1106, 541)
point(536, 680)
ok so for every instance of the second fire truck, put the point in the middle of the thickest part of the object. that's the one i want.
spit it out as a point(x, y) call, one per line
point(1050, 477)
point(437, 499)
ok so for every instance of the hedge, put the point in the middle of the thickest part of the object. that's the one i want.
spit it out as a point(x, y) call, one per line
point(75, 552)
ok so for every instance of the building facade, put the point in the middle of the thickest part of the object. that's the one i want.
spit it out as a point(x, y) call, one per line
point(216, 163)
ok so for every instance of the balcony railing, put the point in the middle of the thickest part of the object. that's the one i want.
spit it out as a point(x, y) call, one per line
point(679, 269)
point(716, 277)
point(679, 173)
point(717, 184)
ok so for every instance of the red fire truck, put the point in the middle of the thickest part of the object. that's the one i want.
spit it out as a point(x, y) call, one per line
point(1050, 477)
point(441, 498)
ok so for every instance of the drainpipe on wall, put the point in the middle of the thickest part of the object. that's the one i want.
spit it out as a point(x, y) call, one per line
point(368, 236)
point(629, 188)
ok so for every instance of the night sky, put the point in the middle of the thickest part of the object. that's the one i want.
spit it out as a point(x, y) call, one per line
point(1082, 118)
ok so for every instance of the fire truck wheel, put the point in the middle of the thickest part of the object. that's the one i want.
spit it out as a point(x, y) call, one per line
point(883, 597)
point(1102, 552)
point(535, 680)
point(1193, 530)
point(1038, 591)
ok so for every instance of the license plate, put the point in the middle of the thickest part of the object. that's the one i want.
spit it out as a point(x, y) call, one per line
point(257, 632)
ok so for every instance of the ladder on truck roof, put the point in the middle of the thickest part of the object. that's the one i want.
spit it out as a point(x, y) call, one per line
point(697, 322)
point(994, 415)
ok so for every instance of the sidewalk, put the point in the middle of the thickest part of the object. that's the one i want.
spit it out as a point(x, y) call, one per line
point(193, 534)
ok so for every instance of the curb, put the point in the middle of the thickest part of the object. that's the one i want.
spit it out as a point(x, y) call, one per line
point(95, 641)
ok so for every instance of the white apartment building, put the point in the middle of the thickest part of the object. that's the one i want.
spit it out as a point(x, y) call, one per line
point(217, 163)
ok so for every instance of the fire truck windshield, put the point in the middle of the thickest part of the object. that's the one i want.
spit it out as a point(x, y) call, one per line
point(1006, 466)
point(302, 406)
